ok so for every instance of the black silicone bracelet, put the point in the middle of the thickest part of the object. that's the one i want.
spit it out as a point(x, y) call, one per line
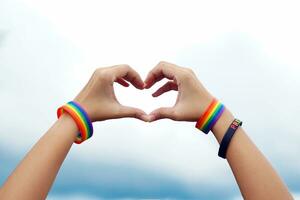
point(228, 136)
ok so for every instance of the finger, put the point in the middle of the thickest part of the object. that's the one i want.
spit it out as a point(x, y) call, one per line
point(122, 82)
point(126, 111)
point(130, 75)
point(161, 113)
point(170, 85)
point(162, 70)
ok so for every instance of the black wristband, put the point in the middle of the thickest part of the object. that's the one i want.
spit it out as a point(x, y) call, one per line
point(228, 136)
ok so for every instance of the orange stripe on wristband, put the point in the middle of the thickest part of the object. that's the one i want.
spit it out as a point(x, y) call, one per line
point(210, 116)
point(81, 119)
point(205, 115)
point(78, 121)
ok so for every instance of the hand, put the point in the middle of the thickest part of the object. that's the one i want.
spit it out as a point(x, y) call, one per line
point(192, 99)
point(98, 97)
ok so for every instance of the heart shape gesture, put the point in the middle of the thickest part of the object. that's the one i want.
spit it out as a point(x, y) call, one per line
point(99, 100)
point(98, 96)
point(192, 97)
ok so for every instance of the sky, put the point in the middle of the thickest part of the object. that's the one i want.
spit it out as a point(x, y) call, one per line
point(245, 52)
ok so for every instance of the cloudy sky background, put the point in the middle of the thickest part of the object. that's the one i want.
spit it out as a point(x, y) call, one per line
point(245, 53)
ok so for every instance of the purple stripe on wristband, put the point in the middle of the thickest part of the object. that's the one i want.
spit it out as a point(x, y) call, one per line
point(216, 118)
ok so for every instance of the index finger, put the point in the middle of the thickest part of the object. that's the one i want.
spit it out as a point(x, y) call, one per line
point(129, 74)
point(162, 70)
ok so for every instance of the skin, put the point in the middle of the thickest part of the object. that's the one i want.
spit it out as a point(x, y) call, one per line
point(255, 176)
point(34, 176)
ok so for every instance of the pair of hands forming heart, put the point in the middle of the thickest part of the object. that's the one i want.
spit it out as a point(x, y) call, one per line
point(254, 175)
point(100, 102)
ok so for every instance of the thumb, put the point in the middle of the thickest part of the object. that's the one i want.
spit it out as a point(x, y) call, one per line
point(161, 113)
point(126, 111)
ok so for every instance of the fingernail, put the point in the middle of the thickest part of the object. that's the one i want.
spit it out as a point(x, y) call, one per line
point(145, 118)
point(151, 118)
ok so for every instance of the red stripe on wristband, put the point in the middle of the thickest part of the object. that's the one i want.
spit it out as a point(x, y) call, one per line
point(210, 116)
point(81, 119)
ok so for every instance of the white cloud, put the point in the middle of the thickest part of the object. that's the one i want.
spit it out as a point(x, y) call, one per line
point(296, 196)
point(51, 48)
point(120, 29)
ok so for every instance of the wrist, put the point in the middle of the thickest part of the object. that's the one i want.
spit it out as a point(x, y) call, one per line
point(80, 117)
point(205, 102)
point(201, 104)
point(68, 123)
point(219, 129)
point(88, 108)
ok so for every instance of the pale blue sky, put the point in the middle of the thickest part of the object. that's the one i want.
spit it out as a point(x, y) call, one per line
point(246, 54)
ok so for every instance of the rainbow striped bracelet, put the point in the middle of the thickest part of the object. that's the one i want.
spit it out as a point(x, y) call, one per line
point(81, 119)
point(210, 116)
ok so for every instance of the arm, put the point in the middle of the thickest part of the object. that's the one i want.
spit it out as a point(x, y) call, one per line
point(255, 176)
point(33, 177)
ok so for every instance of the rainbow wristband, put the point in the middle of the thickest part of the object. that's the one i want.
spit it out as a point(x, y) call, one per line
point(81, 119)
point(210, 116)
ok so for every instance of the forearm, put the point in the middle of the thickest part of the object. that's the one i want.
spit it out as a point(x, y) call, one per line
point(255, 176)
point(33, 177)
